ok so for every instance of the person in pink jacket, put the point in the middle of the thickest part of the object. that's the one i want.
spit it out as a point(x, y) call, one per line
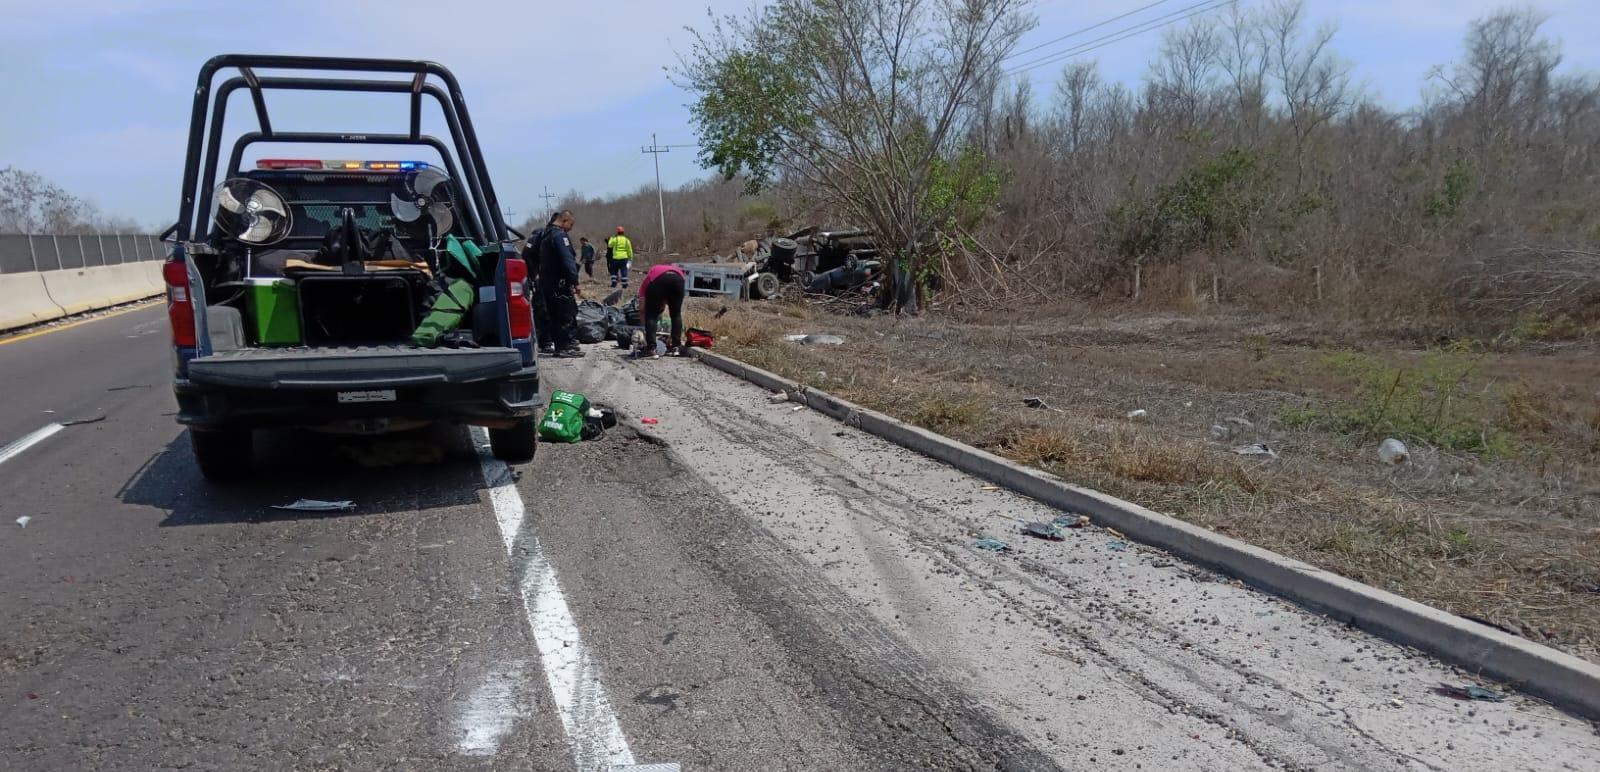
point(663, 289)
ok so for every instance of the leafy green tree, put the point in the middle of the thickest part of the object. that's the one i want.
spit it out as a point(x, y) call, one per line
point(863, 104)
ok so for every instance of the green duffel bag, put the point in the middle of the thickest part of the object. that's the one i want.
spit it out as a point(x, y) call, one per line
point(563, 420)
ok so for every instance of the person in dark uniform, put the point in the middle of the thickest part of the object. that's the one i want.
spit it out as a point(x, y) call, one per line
point(663, 290)
point(558, 281)
point(541, 315)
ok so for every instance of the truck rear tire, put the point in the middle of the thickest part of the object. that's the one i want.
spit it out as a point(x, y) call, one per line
point(223, 455)
point(517, 444)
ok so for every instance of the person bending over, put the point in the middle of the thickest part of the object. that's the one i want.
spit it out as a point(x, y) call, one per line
point(663, 289)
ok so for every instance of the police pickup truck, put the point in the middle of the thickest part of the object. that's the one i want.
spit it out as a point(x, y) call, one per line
point(349, 294)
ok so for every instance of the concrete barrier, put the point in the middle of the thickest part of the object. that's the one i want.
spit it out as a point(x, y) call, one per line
point(30, 298)
point(130, 282)
point(24, 301)
point(1563, 679)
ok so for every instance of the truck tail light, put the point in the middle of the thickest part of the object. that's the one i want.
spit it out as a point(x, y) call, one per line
point(518, 309)
point(180, 303)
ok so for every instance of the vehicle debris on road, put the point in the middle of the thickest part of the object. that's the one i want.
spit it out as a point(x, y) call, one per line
point(1469, 692)
point(317, 505)
point(23, 521)
point(992, 544)
point(1070, 521)
point(1046, 531)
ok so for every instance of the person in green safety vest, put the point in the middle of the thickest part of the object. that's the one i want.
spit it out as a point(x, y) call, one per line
point(619, 256)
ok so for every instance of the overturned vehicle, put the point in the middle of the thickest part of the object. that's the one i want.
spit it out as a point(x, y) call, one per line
point(815, 260)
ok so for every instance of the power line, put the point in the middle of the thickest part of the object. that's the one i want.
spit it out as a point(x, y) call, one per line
point(1121, 35)
point(1076, 33)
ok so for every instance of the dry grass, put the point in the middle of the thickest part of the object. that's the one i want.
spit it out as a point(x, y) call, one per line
point(1513, 541)
point(1043, 446)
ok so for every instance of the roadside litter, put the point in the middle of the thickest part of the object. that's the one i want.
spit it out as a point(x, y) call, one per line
point(1037, 404)
point(1393, 452)
point(777, 397)
point(1259, 449)
point(23, 521)
point(1117, 545)
point(1220, 433)
point(649, 421)
point(815, 339)
point(992, 544)
point(1469, 692)
point(1046, 531)
point(317, 505)
point(1134, 415)
point(78, 421)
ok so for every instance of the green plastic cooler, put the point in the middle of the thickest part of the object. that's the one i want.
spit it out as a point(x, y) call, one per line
point(273, 307)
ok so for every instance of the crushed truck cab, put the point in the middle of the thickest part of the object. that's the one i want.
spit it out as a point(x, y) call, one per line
point(344, 293)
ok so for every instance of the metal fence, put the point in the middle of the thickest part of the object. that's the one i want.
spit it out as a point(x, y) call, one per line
point(22, 253)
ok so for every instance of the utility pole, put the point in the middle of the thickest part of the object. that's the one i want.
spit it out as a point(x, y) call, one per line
point(547, 195)
point(655, 151)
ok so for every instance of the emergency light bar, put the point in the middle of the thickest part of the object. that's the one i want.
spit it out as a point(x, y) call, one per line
point(340, 166)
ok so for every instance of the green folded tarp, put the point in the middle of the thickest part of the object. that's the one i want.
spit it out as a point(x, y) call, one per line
point(466, 254)
point(446, 313)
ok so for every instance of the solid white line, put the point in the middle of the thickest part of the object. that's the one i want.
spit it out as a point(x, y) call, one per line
point(16, 448)
point(593, 732)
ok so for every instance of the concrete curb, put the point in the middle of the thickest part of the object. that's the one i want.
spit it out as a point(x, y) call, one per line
point(1566, 681)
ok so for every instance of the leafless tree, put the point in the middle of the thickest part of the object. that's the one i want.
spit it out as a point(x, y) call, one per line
point(31, 204)
point(1073, 93)
point(1506, 75)
point(1313, 82)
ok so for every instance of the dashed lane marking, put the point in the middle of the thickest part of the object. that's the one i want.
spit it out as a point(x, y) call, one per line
point(593, 732)
point(16, 448)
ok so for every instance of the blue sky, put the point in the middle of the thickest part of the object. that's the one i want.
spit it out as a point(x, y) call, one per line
point(564, 95)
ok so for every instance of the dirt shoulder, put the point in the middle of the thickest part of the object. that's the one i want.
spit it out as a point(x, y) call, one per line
point(1496, 516)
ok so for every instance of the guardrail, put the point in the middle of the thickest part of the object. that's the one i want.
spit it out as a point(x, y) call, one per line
point(45, 277)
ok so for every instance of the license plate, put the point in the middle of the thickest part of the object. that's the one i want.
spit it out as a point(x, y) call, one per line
point(380, 395)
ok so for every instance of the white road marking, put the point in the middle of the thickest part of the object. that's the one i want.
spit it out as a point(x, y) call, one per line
point(593, 732)
point(492, 711)
point(15, 449)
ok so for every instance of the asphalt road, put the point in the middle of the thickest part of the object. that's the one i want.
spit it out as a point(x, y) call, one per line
point(736, 585)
